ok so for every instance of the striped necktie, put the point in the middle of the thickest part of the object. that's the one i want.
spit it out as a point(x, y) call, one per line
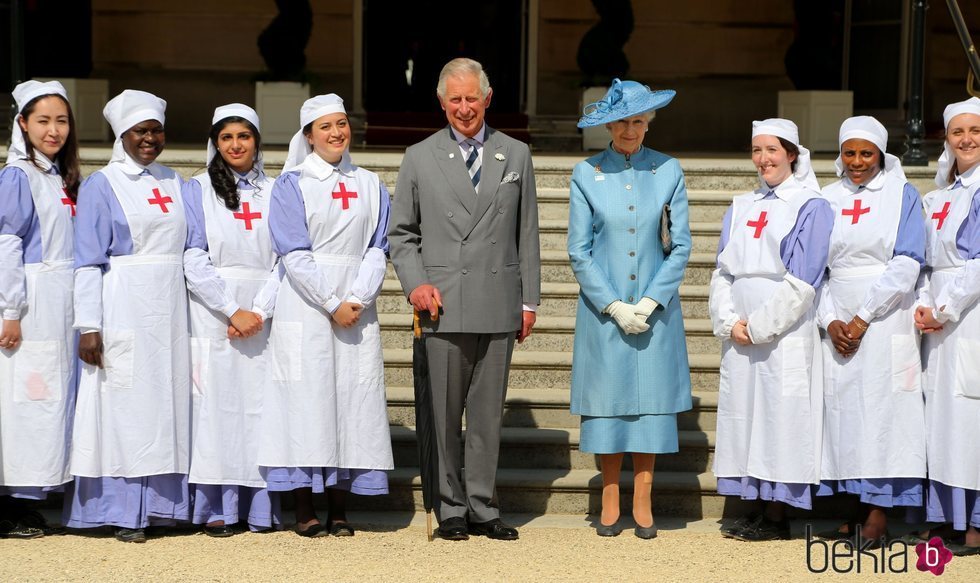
point(473, 165)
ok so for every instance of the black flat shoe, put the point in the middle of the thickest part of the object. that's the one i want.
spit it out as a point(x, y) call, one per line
point(35, 519)
point(495, 529)
point(963, 550)
point(646, 532)
point(453, 529)
point(129, 535)
point(312, 531)
point(17, 530)
point(341, 528)
point(611, 530)
point(764, 530)
point(222, 531)
point(736, 527)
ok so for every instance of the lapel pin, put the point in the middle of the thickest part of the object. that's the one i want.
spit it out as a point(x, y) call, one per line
point(451, 155)
point(499, 156)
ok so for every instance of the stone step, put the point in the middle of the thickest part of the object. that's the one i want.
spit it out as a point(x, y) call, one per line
point(704, 235)
point(533, 407)
point(558, 448)
point(555, 267)
point(703, 205)
point(563, 491)
point(729, 174)
point(547, 370)
point(551, 333)
point(557, 299)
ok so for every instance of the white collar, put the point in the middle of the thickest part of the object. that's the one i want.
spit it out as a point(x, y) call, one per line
point(784, 191)
point(321, 169)
point(969, 177)
point(876, 183)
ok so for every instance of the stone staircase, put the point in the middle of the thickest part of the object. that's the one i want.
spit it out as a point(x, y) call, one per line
point(541, 469)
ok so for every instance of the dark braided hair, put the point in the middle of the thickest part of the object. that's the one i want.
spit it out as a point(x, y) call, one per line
point(67, 159)
point(222, 176)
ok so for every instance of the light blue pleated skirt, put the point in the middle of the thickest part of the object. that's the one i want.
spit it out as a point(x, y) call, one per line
point(629, 433)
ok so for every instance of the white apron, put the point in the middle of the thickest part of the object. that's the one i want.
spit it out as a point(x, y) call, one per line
point(952, 356)
point(229, 376)
point(875, 396)
point(770, 397)
point(37, 379)
point(326, 403)
point(133, 416)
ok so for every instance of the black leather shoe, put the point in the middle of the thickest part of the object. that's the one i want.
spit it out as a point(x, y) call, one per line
point(219, 531)
point(646, 532)
point(34, 519)
point(453, 529)
point(764, 530)
point(12, 529)
point(313, 531)
point(130, 535)
point(495, 529)
point(739, 525)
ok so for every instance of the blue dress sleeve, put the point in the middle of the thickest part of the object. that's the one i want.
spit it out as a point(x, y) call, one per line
point(968, 237)
point(380, 238)
point(726, 227)
point(911, 237)
point(16, 203)
point(197, 236)
point(93, 222)
point(287, 216)
point(804, 250)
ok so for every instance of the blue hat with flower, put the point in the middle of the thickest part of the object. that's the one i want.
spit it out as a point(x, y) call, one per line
point(624, 99)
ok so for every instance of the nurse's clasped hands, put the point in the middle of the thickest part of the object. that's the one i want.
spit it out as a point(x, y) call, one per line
point(626, 317)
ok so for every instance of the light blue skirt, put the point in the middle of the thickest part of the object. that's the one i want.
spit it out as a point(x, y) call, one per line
point(629, 433)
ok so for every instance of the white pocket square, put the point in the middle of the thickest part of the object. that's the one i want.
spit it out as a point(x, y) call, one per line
point(511, 177)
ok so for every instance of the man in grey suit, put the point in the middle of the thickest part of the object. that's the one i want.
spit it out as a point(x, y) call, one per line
point(464, 242)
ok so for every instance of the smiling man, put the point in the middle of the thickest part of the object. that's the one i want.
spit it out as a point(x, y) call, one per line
point(472, 270)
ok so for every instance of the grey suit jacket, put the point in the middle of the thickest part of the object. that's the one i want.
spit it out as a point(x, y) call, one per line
point(481, 250)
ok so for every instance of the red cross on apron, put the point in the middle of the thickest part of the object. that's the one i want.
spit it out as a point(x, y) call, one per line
point(856, 212)
point(68, 202)
point(160, 200)
point(344, 195)
point(758, 224)
point(247, 215)
point(941, 215)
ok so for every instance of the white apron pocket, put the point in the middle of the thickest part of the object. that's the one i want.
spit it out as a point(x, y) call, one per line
point(38, 372)
point(118, 347)
point(906, 364)
point(796, 373)
point(287, 351)
point(370, 371)
point(200, 363)
point(967, 368)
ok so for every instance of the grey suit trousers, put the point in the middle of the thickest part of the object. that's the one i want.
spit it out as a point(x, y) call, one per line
point(468, 371)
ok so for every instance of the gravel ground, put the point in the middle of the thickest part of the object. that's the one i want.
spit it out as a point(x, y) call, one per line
point(394, 548)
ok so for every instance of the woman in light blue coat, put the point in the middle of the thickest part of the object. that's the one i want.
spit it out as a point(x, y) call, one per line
point(629, 242)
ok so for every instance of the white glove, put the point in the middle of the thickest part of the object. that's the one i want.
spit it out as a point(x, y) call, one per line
point(645, 307)
point(626, 318)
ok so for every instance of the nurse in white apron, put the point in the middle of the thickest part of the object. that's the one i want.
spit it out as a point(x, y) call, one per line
point(324, 416)
point(948, 315)
point(38, 189)
point(233, 278)
point(771, 259)
point(131, 442)
point(872, 369)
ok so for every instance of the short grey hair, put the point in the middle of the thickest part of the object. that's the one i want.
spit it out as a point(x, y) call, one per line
point(458, 68)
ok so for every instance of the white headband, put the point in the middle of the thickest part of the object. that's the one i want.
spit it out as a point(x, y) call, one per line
point(786, 129)
point(234, 110)
point(947, 159)
point(125, 111)
point(23, 94)
point(864, 127)
point(313, 109)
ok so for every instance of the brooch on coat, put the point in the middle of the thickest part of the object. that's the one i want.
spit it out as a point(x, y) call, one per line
point(598, 173)
point(499, 156)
